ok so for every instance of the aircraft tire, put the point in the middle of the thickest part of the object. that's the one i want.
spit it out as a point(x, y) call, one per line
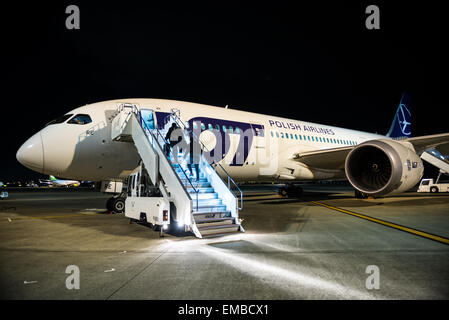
point(283, 192)
point(359, 195)
point(434, 190)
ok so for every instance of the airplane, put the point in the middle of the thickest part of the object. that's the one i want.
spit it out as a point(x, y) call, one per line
point(44, 182)
point(78, 145)
point(63, 183)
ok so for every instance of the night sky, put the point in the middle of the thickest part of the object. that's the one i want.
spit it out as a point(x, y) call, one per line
point(315, 63)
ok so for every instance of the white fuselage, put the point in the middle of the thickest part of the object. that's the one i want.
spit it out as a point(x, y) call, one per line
point(86, 151)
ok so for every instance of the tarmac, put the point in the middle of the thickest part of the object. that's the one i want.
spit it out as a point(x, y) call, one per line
point(324, 245)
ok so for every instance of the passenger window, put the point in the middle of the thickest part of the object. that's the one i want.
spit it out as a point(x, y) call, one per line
point(195, 126)
point(203, 126)
point(209, 126)
point(230, 129)
point(217, 127)
point(272, 133)
point(224, 128)
point(291, 135)
point(80, 119)
point(237, 130)
point(308, 138)
point(187, 125)
point(282, 134)
point(286, 136)
point(277, 134)
point(61, 119)
point(296, 137)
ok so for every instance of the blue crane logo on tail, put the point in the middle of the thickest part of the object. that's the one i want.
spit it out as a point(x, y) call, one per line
point(401, 125)
point(403, 115)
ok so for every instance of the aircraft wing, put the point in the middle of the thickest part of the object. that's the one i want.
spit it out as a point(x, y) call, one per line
point(438, 141)
point(332, 159)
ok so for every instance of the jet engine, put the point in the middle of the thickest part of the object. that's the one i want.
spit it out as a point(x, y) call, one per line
point(381, 167)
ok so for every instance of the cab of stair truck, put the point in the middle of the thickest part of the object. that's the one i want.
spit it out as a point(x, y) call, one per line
point(429, 185)
point(142, 206)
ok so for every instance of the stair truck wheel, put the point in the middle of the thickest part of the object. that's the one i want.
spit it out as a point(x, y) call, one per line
point(434, 190)
point(118, 205)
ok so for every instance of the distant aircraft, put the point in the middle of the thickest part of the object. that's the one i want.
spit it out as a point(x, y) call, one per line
point(44, 182)
point(1, 184)
point(64, 183)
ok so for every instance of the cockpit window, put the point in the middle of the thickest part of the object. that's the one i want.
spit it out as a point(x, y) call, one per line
point(80, 119)
point(61, 119)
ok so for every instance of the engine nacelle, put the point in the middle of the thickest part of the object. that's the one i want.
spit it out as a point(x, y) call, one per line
point(380, 167)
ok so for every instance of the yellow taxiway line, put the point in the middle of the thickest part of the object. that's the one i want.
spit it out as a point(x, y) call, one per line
point(386, 223)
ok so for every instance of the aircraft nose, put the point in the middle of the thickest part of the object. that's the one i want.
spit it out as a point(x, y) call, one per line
point(31, 153)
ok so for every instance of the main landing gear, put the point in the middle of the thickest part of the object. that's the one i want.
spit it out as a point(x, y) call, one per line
point(290, 191)
point(359, 194)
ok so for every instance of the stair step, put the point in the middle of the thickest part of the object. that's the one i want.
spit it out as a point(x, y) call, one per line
point(206, 202)
point(213, 221)
point(201, 190)
point(181, 175)
point(218, 230)
point(211, 215)
point(208, 208)
point(197, 184)
point(204, 195)
point(193, 181)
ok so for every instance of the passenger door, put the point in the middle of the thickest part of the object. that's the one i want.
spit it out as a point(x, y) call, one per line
point(148, 118)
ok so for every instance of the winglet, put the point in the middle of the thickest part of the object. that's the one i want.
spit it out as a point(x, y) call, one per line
point(52, 178)
point(401, 125)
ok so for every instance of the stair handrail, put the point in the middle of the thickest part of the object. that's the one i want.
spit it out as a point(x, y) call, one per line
point(178, 120)
point(145, 127)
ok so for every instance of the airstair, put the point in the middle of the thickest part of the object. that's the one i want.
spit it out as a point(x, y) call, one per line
point(435, 158)
point(206, 206)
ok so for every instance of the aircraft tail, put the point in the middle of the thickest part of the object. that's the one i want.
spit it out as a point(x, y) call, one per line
point(52, 178)
point(401, 125)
